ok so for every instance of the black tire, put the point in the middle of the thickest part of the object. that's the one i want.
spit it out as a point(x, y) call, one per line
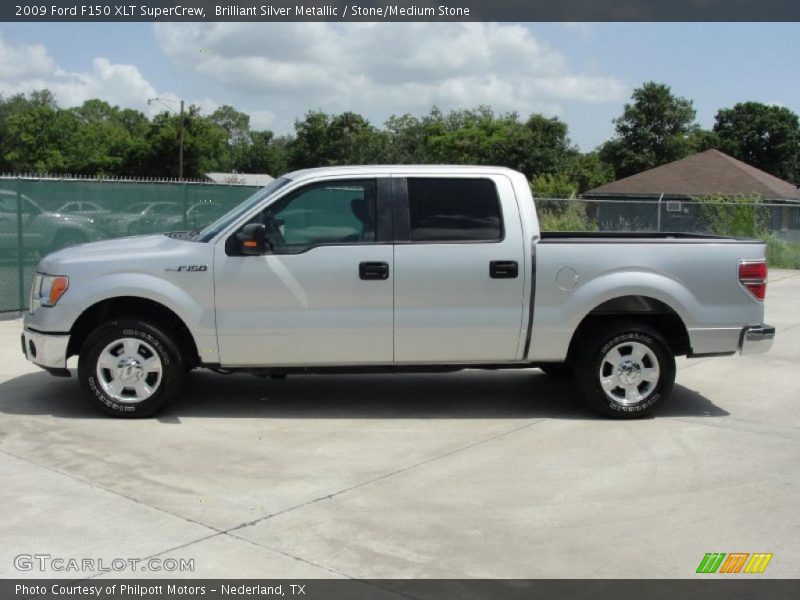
point(148, 336)
point(561, 371)
point(596, 352)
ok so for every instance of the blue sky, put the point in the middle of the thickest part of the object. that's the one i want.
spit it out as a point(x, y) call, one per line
point(582, 73)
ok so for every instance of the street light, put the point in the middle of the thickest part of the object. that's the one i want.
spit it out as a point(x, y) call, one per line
point(180, 133)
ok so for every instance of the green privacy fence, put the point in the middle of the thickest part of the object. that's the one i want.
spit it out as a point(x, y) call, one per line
point(39, 215)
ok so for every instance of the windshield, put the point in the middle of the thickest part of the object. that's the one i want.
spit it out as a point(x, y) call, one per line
point(211, 230)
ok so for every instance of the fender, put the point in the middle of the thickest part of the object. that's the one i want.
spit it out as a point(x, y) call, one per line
point(555, 325)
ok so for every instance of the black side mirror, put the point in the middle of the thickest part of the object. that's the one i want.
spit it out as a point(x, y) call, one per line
point(252, 239)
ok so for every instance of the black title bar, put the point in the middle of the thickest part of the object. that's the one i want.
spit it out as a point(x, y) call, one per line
point(388, 10)
point(708, 588)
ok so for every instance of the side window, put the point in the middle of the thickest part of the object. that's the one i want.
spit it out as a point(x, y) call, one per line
point(452, 209)
point(333, 212)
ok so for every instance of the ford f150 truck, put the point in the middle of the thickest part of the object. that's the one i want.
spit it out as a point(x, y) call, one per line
point(403, 268)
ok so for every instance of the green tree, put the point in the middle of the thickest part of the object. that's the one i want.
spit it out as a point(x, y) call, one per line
point(264, 154)
point(549, 185)
point(657, 127)
point(539, 145)
point(344, 139)
point(36, 134)
point(204, 149)
point(589, 171)
point(103, 142)
point(766, 137)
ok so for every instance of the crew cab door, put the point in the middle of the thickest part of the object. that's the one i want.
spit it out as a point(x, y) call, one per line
point(323, 295)
point(458, 270)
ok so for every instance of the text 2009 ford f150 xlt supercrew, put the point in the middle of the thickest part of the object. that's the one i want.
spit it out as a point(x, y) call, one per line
point(394, 268)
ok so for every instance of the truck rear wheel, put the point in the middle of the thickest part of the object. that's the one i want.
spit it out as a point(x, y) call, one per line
point(625, 370)
point(130, 368)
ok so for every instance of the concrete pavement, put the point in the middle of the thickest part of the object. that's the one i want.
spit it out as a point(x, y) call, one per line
point(473, 474)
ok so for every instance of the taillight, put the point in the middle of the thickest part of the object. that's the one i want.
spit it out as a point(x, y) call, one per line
point(753, 276)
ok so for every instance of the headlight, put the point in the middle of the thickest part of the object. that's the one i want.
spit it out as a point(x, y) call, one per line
point(47, 290)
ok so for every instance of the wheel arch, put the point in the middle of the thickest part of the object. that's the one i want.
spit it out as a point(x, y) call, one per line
point(640, 308)
point(132, 306)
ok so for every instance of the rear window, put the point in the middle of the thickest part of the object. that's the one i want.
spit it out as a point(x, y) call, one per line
point(451, 209)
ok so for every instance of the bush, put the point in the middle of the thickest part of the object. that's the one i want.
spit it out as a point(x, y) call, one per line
point(733, 216)
point(782, 254)
point(571, 218)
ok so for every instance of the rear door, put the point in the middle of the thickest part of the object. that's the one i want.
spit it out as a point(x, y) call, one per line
point(458, 270)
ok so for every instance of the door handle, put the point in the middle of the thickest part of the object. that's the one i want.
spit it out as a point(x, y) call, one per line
point(503, 269)
point(373, 270)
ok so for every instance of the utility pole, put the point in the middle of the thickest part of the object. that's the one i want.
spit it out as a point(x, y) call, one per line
point(180, 133)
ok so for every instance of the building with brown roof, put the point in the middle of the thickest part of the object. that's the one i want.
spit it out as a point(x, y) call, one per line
point(703, 174)
point(674, 185)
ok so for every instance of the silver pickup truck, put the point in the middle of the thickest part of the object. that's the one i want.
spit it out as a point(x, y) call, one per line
point(394, 268)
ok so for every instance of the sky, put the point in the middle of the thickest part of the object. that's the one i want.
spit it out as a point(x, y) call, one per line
point(582, 73)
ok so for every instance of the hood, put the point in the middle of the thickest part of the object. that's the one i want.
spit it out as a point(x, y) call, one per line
point(116, 250)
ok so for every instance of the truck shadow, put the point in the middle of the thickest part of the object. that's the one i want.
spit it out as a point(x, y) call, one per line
point(471, 394)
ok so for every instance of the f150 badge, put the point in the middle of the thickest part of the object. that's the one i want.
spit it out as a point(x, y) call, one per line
point(189, 268)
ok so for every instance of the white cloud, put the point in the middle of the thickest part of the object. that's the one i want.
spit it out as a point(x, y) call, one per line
point(28, 67)
point(278, 71)
point(285, 69)
point(24, 61)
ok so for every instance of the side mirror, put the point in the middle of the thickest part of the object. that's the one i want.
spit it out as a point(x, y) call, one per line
point(252, 239)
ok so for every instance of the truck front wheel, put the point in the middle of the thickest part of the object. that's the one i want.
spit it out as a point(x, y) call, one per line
point(625, 370)
point(130, 368)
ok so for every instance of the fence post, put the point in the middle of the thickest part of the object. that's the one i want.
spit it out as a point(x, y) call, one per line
point(658, 218)
point(185, 207)
point(20, 250)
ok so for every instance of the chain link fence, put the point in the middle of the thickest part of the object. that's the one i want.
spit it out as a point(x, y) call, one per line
point(777, 223)
point(39, 215)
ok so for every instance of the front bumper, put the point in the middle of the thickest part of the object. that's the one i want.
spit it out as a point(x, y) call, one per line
point(756, 340)
point(47, 350)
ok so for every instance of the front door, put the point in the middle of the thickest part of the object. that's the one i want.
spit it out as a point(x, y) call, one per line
point(323, 294)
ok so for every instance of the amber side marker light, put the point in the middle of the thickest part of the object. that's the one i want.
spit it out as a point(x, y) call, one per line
point(60, 285)
point(753, 276)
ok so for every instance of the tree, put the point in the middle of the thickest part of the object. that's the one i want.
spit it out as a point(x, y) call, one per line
point(539, 145)
point(656, 128)
point(588, 171)
point(204, 147)
point(264, 154)
point(36, 134)
point(766, 137)
point(345, 139)
point(104, 143)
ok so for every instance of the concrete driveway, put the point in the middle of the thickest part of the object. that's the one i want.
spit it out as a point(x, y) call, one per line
point(475, 474)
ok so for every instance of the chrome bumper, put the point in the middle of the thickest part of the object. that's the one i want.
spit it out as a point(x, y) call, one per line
point(756, 340)
point(46, 350)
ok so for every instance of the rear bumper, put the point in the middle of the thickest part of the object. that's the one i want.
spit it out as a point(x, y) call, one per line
point(756, 340)
point(46, 350)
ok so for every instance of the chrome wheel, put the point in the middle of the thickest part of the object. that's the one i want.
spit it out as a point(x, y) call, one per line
point(129, 370)
point(629, 373)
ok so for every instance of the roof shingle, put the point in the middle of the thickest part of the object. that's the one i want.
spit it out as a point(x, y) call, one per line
point(705, 173)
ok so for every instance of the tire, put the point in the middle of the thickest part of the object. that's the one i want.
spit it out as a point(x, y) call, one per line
point(625, 370)
point(560, 371)
point(130, 368)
